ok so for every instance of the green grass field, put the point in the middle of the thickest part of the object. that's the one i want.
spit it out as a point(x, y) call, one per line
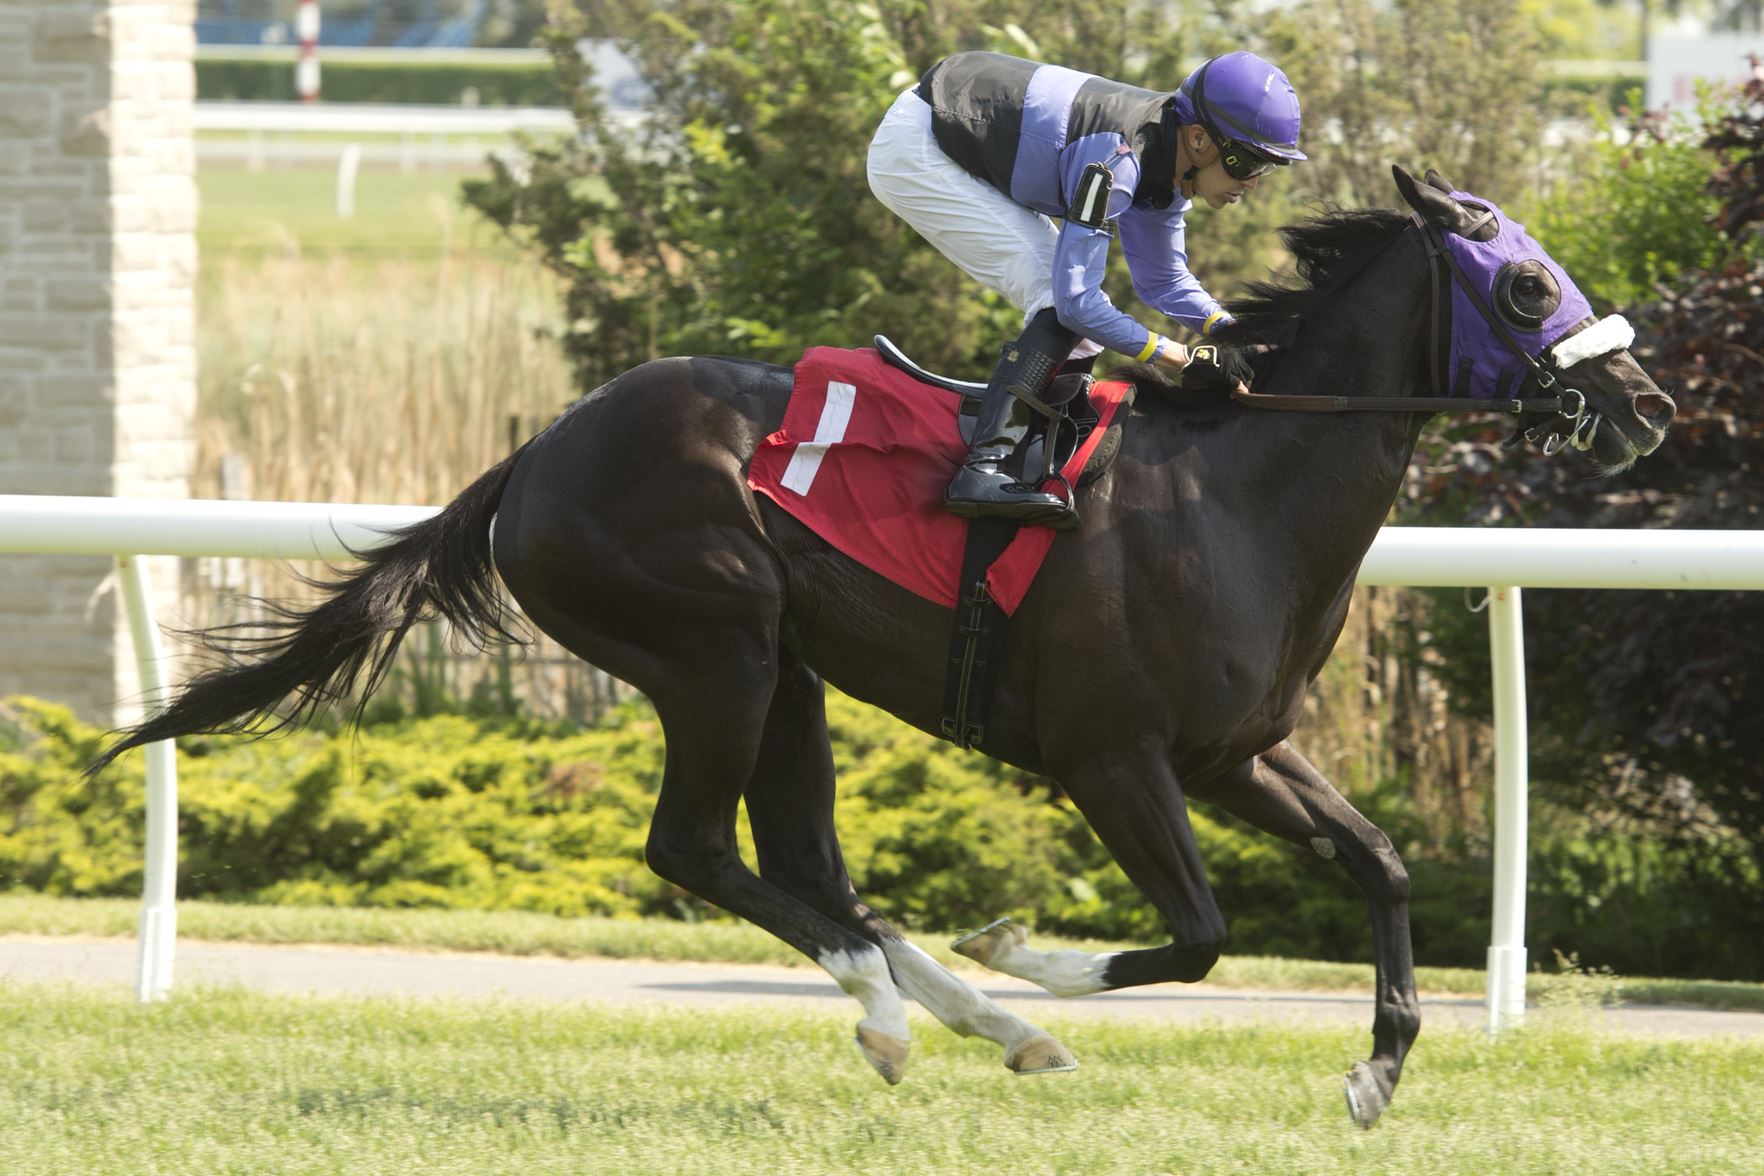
point(294, 212)
point(224, 1081)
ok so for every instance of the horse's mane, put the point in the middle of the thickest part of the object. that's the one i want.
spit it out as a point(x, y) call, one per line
point(1328, 250)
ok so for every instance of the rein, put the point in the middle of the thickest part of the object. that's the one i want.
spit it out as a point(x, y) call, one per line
point(1569, 406)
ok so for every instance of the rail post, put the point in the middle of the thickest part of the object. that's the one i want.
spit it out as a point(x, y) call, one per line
point(1506, 953)
point(159, 912)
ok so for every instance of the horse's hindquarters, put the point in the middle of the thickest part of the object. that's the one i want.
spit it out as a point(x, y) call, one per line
point(628, 522)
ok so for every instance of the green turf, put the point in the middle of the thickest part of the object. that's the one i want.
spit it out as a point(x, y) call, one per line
point(294, 212)
point(224, 1081)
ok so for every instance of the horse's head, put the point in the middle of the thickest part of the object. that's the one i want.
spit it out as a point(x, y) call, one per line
point(1519, 327)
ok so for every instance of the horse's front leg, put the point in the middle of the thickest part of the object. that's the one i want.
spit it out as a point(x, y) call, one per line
point(790, 806)
point(1280, 792)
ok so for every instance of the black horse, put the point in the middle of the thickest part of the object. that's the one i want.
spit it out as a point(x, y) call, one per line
point(1162, 654)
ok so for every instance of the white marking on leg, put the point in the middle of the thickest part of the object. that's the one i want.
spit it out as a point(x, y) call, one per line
point(1325, 848)
point(1063, 973)
point(953, 1001)
point(865, 975)
point(1002, 946)
point(805, 462)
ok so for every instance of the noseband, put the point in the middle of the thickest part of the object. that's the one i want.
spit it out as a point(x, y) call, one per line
point(1570, 421)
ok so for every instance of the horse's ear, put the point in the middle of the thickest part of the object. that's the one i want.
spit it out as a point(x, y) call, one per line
point(1437, 207)
point(1434, 179)
point(1429, 201)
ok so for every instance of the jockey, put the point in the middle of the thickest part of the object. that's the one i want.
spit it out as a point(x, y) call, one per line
point(987, 151)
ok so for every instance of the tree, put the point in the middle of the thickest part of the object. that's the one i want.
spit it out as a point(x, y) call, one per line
point(1455, 87)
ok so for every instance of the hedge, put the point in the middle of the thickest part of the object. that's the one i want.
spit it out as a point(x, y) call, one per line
point(504, 813)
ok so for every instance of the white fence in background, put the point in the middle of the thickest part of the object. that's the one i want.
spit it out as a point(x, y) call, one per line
point(262, 135)
point(1503, 559)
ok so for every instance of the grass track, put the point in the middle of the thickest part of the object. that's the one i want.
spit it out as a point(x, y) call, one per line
point(225, 1081)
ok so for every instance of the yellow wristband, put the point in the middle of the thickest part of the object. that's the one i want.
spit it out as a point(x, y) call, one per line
point(1151, 347)
point(1207, 327)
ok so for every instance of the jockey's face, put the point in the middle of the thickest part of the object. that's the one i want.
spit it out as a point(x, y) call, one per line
point(1211, 182)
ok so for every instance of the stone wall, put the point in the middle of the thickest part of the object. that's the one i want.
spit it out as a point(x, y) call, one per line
point(97, 312)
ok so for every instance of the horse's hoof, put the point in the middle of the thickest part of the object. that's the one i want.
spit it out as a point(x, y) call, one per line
point(1040, 1054)
point(885, 1052)
point(1366, 1100)
point(984, 945)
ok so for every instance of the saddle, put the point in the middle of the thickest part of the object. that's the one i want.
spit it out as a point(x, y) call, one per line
point(1064, 417)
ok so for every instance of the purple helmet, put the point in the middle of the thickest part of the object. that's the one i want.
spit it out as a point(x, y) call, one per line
point(1243, 99)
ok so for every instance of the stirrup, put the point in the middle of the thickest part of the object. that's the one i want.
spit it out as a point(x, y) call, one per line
point(1030, 506)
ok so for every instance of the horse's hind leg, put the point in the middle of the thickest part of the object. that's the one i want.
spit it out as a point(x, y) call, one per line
point(710, 667)
point(1281, 793)
point(1136, 808)
point(790, 807)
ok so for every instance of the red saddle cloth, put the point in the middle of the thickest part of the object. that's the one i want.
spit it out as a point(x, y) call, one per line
point(863, 459)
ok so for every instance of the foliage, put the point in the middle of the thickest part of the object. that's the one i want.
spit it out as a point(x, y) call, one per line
point(1456, 87)
point(727, 224)
point(1583, 29)
point(1640, 210)
point(494, 813)
point(1645, 697)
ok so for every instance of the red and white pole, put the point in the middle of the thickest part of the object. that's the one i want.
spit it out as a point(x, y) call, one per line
point(306, 73)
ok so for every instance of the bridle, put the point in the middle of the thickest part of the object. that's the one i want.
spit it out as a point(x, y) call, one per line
point(1570, 422)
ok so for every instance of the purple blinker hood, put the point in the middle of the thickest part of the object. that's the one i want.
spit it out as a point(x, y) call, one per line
point(1481, 365)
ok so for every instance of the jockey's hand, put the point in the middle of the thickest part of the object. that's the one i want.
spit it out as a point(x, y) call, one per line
point(1213, 373)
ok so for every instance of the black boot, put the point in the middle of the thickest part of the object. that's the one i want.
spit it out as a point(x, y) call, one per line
point(985, 486)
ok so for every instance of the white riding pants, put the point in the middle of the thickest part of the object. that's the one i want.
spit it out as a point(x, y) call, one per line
point(996, 241)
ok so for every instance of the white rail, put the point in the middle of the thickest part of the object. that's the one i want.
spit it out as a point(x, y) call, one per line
point(1502, 559)
point(364, 118)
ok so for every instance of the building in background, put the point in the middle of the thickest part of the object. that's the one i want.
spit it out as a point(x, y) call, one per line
point(1676, 65)
point(97, 313)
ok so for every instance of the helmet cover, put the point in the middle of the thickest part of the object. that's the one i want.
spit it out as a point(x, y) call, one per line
point(1240, 97)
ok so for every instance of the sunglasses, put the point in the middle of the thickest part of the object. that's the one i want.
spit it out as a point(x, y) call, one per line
point(1243, 162)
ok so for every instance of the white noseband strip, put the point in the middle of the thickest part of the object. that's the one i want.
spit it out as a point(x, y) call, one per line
point(1603, 337)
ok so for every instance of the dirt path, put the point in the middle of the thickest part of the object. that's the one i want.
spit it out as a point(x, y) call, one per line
point(378, 972)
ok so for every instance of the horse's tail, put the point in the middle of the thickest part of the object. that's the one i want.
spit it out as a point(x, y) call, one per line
point(440, 567)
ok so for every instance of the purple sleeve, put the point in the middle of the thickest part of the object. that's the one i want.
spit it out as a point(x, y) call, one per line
point(1153, 241)
point(1081, 254)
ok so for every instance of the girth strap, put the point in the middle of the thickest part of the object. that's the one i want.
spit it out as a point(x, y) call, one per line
point(976, 643)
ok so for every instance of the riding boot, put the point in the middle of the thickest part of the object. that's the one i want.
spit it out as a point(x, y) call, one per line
point(986, 486)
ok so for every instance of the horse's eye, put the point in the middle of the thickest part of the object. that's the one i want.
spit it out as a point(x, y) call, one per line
point(1526, 294)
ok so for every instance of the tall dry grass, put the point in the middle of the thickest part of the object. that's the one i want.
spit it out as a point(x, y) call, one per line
point(337, 379)
point(340, 380)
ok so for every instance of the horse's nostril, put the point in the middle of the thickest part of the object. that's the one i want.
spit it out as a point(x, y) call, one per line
point(1656, 408)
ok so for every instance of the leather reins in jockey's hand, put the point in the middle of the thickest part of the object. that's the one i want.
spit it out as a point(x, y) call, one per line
point(1570, 409)
point(1428, 404)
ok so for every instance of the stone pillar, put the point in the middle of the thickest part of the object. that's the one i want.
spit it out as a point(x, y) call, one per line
point(97, 313)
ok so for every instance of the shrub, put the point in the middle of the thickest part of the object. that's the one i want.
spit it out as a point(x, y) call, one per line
point(1637, 213)
point(500, 813)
